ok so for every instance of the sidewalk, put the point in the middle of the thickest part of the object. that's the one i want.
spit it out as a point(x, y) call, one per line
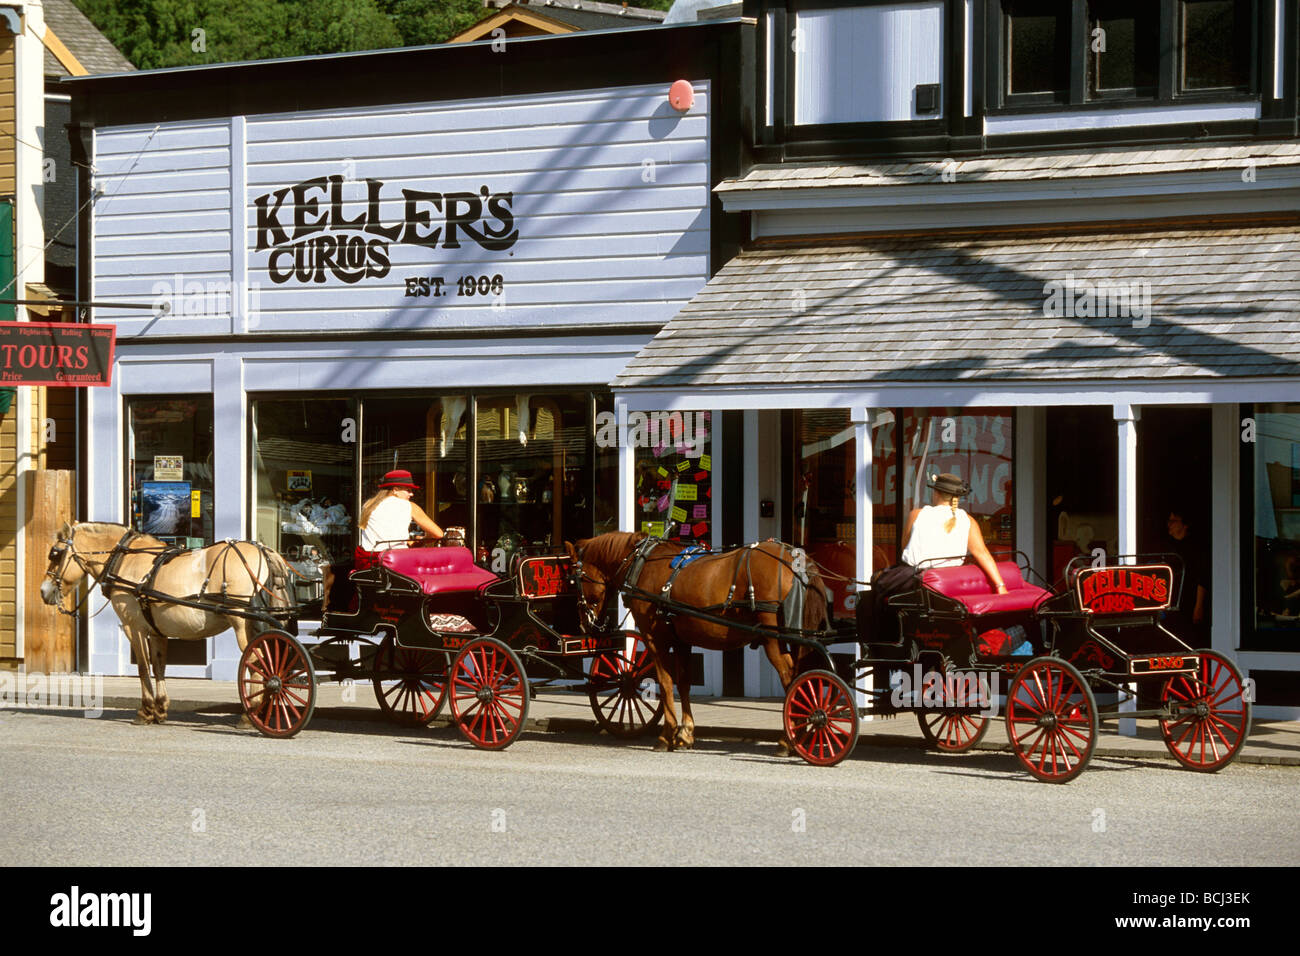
point(1270, 741)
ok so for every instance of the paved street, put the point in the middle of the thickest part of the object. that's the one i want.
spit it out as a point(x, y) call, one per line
point(197, 791)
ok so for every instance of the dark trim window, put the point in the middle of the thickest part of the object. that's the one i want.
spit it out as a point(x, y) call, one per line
point(1080, 52)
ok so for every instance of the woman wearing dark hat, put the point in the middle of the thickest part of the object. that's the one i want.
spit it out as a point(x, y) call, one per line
point(942, 534)
point(386, 518)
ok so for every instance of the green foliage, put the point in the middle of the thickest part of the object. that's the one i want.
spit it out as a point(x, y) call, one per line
point(161, 33)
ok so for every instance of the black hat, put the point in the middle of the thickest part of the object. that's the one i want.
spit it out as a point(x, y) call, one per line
point(949, 484)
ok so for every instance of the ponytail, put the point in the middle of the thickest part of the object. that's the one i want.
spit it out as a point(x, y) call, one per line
point(951, 522)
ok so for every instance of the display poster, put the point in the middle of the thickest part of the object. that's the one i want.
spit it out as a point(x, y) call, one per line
point(165, 508)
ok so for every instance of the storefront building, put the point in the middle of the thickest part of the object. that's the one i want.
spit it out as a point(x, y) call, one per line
point(1060, 263)
point(434, 259)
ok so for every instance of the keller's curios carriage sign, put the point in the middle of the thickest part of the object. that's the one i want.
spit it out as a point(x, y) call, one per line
point(56, 354)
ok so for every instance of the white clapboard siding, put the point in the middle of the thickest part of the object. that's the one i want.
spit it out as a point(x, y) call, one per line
point(609, 190)
point(163, 217)
point(861, 64)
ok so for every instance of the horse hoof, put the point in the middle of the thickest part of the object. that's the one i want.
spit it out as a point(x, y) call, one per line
point(142, 720)
point(243, 723)
point(662, 746)
point(783, 749)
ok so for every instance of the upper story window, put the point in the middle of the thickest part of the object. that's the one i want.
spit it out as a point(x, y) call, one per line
point(873, 63)
point(1073, 52)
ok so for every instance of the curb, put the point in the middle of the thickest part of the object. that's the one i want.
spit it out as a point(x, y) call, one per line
point(565, 725)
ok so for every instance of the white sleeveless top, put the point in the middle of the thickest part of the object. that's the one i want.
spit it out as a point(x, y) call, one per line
point(929, 541)
point(390, 521)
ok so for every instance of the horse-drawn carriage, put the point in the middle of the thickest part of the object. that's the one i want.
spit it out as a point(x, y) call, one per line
point(1098, 633)
point(427, 625)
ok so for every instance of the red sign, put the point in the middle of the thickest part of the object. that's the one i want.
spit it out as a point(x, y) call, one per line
point(56, 354)
point(542, 577)
point(1115, 590)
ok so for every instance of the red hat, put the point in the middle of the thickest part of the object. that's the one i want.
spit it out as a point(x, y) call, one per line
point(398, 479)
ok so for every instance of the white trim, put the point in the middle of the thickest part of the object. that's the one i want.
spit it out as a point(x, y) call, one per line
point(1279, 47)
point(1126, 417)
point(865, 522)
point(1225, 522)
point(23, 425)
point(1113, 119)
point(968, 60)
point(239, 299)
point(1031, 483)
point(749, 456)
point(975, 395)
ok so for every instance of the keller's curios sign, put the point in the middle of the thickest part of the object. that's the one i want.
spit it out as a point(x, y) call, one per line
point(56, 354)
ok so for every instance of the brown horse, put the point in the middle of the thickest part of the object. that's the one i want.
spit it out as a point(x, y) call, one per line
point(753, 585)
point(235, 574)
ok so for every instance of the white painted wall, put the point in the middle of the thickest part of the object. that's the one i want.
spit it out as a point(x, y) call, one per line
point(609, 191)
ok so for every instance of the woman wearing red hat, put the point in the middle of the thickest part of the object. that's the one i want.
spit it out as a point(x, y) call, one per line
point(386, 518)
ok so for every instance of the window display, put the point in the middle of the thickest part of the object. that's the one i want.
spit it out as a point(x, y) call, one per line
point(974, 444)
point(304, 486)
point(674, 473)
point(169, 480)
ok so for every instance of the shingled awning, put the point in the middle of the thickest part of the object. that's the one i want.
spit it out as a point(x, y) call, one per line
point(1224, 304)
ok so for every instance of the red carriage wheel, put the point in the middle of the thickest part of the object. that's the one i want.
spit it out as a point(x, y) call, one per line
point(820, 718)
point(1211, 714)
point(410, 684)
point(1051, 719)
point(624, 691)
point(489, 693)
point(277, 684)
point(952, 730)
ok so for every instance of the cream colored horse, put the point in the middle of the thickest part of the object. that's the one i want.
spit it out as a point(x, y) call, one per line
point(229, 573)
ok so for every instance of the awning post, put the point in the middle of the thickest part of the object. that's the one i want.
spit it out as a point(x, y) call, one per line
point(1126, 419)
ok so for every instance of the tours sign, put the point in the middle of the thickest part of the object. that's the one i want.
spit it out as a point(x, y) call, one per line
point(56, 354)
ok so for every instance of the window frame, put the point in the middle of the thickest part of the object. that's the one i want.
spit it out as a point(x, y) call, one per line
point(1168, 91)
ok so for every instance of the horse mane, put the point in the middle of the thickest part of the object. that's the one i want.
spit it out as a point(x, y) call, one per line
point(606, 551)
point(110, 527)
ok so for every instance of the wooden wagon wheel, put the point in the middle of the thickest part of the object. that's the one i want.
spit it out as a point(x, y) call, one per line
point(277, 684)
point(820, 718)
point(489, 693)
point(948, 728)
point(410, 684)
point(624, 703)
point(1212, 714)
point(1051, 719)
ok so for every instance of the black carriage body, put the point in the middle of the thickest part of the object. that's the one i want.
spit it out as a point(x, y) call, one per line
point(1107, 623)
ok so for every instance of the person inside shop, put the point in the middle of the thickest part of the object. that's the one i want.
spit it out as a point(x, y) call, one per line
point(385, 523)
point(938, 535)
point(1191, 619)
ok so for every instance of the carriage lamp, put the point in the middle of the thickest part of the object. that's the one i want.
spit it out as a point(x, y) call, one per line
point(681, 96)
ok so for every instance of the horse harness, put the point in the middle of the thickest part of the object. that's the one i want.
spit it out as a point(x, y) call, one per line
point(110, 581)
point(791, 607)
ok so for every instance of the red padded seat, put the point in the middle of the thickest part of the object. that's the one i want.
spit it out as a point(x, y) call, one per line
point(968, 585)
point(437, 569)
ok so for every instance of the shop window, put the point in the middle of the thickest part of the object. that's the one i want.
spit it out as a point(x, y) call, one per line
point(975, 445)
point(304, 477)
point(824, 513)
point(427, 435)
point(535, 472)
point(1274, 459)
point(169, 477)
point(674, 473)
